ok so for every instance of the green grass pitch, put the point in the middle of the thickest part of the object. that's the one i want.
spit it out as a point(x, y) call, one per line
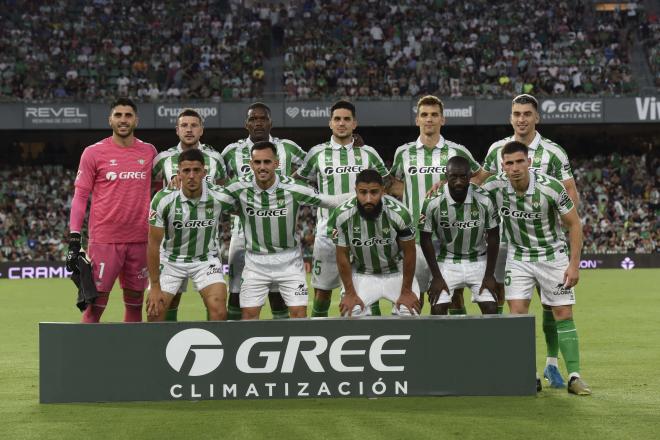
point(619, 332)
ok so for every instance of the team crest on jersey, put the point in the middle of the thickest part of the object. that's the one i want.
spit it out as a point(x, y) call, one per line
point(141, 161)
point(280, 203)
point(536, 204)
point(475, 211)
point(386, 230)
point(209, 210)
point(444, 213)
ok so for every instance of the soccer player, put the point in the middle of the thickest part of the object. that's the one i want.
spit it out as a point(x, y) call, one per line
point(532, 204)
point(548, 158)
point(374, 229)
point(421, 164)
point(268, 205)
point(333, 167)
point(182, 240)
point(236, 157)
point(116, 171)
point(462, 215)
point(189, 129)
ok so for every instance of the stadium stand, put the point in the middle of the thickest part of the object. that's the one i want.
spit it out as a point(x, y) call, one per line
point(451, 48)
point(90, 51)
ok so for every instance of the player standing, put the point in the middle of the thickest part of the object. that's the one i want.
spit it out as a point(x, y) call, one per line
point(462, 215)
point(185, 221)
point(333, 167)
point(116, 171)
point(548, 158)
point(236, 157)
point(189, 129)
point(422, 164)
point(268, 205)
point(531, 205)
point(375, 229)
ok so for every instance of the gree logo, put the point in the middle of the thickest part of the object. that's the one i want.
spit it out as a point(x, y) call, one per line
point(194, 352)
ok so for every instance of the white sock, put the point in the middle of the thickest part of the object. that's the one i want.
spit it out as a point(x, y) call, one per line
point(551, 361)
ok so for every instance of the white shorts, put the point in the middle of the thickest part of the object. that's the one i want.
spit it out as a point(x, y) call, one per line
point(202, 273)
point(422, 271)
point(522, 276)
point(371, 288)
point(236, 260)
point(325, 274)
point(460, 275)
point(500, 264)
point(283, 271)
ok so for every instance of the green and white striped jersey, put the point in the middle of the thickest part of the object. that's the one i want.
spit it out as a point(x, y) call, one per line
point(166, 164)
point(269, 216)
point(420, 168)
point(547, 157)
point(373, 243)
point(334, 167)
point(191, 225)
point(531, 222)
point(236, 157)
point(461, 227)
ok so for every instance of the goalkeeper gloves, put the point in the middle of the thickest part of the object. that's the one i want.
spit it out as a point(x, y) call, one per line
point(73, 252)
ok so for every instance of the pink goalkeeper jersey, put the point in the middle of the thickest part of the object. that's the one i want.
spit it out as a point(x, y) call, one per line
point(119, 179)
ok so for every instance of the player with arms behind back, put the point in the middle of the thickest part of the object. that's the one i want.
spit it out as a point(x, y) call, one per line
point(375, 229)
point(532, 206)
point(116, 172)
point(548, 158)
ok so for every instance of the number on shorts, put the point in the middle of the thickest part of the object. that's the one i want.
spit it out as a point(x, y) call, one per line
point(507, 277)
point(101, 267)
point(317, 267)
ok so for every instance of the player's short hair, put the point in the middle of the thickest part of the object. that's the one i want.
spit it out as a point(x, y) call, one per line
point(191, 154)
point(123, 101)
point(263, 145)
point(430, 100)
point(514, 147)
point(459, 161)
point(526, 99)
point(369, 176)
point(342, 103)
point(189, 112)
point(260, 105)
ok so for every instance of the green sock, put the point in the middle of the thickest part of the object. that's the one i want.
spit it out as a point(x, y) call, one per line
point(550, 332)
point(233, 313)
point(375, 309)
point(460, 311)
point(320, 308)
point(170, 315)
point(281, 314)
point(500, 310)
point(568, 343)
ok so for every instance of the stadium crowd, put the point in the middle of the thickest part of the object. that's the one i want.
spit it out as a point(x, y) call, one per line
point(620, 206)
point(90, 51)
point(451, 48)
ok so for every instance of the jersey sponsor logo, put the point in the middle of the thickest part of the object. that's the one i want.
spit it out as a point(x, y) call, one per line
point(344, 169)
point(373, 241)
point(469, 224)
point(191, 224)
point(413, 170)
point(126, 175)
point(281, 212)
point(521, 214)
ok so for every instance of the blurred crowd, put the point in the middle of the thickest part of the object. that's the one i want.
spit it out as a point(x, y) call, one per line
point(620, 202)
point(152, 51)
point(456, 48)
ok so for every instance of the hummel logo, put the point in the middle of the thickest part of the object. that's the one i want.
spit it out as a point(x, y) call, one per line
point(141, 161)
point(113, 162)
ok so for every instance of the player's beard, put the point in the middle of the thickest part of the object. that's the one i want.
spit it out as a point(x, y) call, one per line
point(370, 215)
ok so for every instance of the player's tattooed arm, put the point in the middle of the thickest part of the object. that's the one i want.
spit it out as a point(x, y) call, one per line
point(155, 298)
point(438, 283)
point(350, 299)
point(574, 225)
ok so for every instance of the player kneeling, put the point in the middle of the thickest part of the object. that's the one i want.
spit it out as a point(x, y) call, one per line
point(183, 227)
point(375, 229)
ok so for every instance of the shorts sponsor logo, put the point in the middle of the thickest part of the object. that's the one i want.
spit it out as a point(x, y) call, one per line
point(506, 212)
point(252, 212)
point(560, 290)
point(213, 269)
point(194, 352)
point(348, 169)
point(460, 224)
point(193, 224)
point(126, 175)
point(301, 290)
point(414, 170)
point(373, 241)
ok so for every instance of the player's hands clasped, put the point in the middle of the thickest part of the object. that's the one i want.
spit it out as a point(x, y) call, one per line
point(73, 252)
point(438, 285)
point(409, 300)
